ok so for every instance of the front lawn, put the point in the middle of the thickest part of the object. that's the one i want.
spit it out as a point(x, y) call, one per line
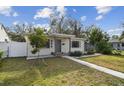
point(55, 71)
point(112, 62)
point(122, 52)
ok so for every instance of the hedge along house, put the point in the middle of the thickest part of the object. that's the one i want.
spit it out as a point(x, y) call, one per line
point(58, 44)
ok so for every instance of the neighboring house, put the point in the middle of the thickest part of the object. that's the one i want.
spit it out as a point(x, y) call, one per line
point(59, 44)
point(117, 44)
point(3, 35)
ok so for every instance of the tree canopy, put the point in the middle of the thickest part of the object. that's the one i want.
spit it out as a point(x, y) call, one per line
point(37, 39)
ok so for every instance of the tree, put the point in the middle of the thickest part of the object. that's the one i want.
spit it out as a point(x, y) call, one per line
point(66, 25)
point(37, 40)
point(99, 40)
point(18, 32)
point(57, 24)
point(16, 37)
point(115, 37)
point(75, 27)
point(95, 35)
point(122, 36)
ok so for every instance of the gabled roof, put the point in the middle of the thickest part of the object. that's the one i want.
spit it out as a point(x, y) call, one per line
point(61, 35)
point(116, 40)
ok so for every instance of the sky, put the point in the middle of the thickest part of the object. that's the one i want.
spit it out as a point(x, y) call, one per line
point(106, 17)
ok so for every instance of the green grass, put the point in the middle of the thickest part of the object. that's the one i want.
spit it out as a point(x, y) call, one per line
point(112, 62)
point(122, 52)
point(54, 71)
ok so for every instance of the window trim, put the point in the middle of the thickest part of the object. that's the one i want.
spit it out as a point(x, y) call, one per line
point(75, 46)
point(122, 44)
point(48, 42)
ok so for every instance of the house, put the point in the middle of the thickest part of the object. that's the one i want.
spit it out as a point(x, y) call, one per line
point(3, 35)
point(59, 44)
point(117, 44)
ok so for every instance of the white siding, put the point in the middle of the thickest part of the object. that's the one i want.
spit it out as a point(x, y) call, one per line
point(3, 34)
point(43, 51)
point(81, 45)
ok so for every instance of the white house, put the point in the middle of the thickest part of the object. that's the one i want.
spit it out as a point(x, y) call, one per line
point(59, 43)
point(3, 35)
point(117, 44)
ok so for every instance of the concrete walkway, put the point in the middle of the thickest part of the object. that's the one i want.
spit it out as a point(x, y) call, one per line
point(92, 55)
point(103, 69)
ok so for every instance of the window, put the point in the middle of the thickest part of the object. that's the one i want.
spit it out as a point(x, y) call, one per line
point(48, 44)
point(75, 44)
point(118, 44)
point(122, 44)
point(6, 40)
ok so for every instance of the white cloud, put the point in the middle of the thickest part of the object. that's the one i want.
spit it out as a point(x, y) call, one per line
point(15, 14)
point(7, 11)
point(61, 10)
point(47, 11)
point(43, 13)
point(102, 10)
point(15, 22)
point(99, 17)
point(83, 18)
point(116, 31)
point(74, 10)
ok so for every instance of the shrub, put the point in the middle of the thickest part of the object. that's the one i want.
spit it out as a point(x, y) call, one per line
point(52, 53)
point(1, 54)
point(106, 51)
point(34, 51)
point(104, 47)
point(91, 51)
point(76, 53)
point(116, 52)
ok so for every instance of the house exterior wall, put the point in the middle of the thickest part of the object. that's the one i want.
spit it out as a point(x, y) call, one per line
point(81, 46)
point(3, 35)
point(115, 45)
point(43, 51)
point(21, 49)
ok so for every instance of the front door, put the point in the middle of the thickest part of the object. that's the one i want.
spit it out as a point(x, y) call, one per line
point(57, 46)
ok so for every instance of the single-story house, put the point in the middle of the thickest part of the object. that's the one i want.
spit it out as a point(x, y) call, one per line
point(117, 44)
point(3, 35)
point(59, 44)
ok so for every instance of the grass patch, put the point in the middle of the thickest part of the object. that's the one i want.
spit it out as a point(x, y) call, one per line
point(122, 52)
point(109, 61)
point(55, 71)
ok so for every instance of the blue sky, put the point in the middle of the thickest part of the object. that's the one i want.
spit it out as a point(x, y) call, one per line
point(106, 17)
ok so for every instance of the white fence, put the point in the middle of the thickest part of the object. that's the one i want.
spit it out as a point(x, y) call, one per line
point(14, 49)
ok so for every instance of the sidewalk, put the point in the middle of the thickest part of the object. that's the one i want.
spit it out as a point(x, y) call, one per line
point(100, 68)
point(92, 55)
